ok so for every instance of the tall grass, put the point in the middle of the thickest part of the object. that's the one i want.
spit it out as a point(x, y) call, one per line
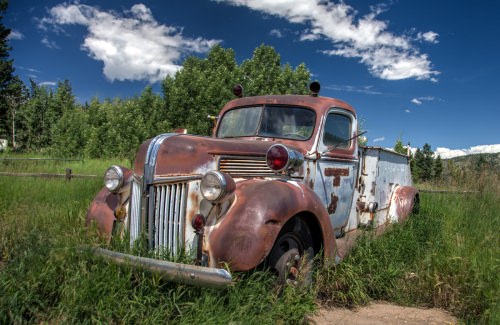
point(87, 166)
point(447, 256)
point(46, 277)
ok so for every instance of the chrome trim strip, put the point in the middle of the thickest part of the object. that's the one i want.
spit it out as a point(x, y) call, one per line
point(149, 168)
point(175, 179)
point(176, 272)
point(135, 211)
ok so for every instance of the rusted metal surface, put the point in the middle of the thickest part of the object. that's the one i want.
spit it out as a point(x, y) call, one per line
point(246, 234)
point(335, 191)
point(402, 202)
point(101, 211)
point(336, 173)
point(332, 207)
point(103, 207)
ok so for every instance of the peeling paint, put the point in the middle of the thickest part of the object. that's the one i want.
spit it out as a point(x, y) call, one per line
point(336, 173)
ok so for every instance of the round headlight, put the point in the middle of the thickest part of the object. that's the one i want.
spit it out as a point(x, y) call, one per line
point(113, 178)
point(216, 185)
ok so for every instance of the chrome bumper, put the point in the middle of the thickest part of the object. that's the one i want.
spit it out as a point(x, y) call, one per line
point(176, 272)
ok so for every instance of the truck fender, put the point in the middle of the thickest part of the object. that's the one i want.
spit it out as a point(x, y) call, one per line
point(103, 206)
point(404, 200)
point(246, 234)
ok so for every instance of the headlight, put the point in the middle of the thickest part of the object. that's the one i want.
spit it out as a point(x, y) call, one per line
point(216, 185)
point(113, 178)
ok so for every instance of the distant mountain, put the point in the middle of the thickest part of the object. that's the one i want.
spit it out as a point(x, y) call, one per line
point(476, 162)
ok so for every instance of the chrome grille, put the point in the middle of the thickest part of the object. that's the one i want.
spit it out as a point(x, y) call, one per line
point(135, 211)
point(169, 216)
point(245, 166)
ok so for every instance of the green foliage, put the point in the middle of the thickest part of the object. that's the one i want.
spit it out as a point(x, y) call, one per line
point(424, 167)
point(437, 169)
point(53, 121)
point(399, 148)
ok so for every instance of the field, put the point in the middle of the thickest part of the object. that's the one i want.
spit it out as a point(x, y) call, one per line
point(447, 256)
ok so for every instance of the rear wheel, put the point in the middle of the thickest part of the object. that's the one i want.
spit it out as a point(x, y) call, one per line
point(291, 257)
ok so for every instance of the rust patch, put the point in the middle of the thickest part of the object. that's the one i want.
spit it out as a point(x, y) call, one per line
point(332, 207)
point(336, 173)
point(311, 184)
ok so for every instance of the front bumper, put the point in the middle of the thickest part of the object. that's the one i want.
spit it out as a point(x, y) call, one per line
point(176, 272)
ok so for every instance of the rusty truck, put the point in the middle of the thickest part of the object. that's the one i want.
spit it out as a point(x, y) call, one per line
point(281, 179)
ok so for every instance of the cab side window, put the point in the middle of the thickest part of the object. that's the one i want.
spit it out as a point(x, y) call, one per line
point(337, 131)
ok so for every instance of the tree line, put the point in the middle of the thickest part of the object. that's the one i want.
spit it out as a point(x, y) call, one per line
point(39, 118)
point(424, 166)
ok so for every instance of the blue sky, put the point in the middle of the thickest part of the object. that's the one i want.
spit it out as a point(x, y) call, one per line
point(425, 71)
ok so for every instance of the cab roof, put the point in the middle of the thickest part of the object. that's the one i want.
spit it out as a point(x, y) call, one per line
point(318, 104)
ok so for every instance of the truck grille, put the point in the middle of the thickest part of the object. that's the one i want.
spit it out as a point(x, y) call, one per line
point(169, 217)
point(245, 166)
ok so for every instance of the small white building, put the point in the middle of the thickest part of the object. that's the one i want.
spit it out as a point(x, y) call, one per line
point(3, 144)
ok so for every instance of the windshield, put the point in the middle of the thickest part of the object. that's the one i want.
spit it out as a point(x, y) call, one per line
point(285, 122)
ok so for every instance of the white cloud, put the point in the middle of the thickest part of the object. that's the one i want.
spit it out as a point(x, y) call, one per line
point(50, 44)
point(276, 33)
point(379, 139)
point(407, 111)
point(48, 83)
point(446, 153)
point(132, 45)
point(364, 90)
point(15, 35)
point(27, 69)
point(387, 55)
point(420, 100)
point(430, 37)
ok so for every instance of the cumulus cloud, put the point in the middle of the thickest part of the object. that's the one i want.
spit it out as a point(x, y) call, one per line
point(446, 153)
point(416, 101)
point(132, 45)
point(387, 56)
point(407, 111)
point(15, 35)
point(379, 139)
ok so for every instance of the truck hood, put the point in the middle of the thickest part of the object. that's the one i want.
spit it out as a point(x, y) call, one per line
point(180, 154)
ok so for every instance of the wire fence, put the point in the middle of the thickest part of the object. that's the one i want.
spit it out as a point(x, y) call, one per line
point(68, 175)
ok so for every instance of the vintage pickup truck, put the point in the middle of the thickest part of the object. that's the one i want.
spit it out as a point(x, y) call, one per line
point(282, 177)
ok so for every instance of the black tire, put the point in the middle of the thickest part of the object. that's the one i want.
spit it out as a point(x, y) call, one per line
point(291, 257)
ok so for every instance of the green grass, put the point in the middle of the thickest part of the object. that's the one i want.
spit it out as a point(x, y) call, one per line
point(447, 256)
point(83, 166)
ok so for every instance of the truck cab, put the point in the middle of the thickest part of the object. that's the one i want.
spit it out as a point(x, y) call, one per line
point(281, 179)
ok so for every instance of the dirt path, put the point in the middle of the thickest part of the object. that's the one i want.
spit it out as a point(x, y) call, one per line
point(383, 313)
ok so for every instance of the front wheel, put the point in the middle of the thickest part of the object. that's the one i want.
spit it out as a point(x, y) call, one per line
point(291, 257)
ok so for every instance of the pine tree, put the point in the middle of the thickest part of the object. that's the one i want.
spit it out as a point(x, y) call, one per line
point(438, 168)
point(399, 148)
point(11, 88)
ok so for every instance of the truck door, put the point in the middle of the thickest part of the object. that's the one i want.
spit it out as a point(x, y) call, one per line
point(337, 166)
